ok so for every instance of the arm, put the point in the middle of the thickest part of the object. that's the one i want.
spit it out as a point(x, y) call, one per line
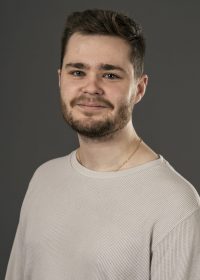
point(15, 264)
point(177, 255)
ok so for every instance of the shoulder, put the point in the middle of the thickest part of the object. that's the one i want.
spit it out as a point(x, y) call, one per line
point(174, 187)
point(174, 198)
point(52, 166)
point(48, 175)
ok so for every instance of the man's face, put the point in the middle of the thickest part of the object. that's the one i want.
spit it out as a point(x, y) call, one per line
point(97, 85)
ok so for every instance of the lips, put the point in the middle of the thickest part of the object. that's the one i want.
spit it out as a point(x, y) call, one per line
point(91, 105)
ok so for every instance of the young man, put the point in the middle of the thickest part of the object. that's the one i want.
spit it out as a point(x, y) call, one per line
point(113, 208)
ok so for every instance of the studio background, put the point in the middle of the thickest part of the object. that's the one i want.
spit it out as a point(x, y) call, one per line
point(33, 130)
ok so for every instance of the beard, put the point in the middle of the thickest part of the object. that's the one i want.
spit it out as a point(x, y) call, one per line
point(94, 128)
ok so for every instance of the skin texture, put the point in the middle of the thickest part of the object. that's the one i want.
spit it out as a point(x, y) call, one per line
point(97, 101)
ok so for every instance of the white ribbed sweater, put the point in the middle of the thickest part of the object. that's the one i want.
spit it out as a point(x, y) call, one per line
point(133, 224)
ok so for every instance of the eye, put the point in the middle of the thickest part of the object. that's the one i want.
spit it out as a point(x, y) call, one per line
point(111, 76)
point(77, 73)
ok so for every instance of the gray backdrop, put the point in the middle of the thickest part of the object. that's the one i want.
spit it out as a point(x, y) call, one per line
point(33, 128)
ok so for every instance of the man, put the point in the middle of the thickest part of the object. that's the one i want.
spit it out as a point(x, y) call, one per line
point(113, 208)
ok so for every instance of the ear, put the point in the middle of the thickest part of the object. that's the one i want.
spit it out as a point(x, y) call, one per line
point(141, 85)
point(59, 73)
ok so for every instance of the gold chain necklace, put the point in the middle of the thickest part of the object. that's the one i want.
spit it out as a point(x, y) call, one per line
point(140, 140)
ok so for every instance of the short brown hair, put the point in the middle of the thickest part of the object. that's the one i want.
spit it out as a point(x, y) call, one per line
point(107, 22)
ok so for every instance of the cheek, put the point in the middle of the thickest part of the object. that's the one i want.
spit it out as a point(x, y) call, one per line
point(67, 84)
point(68, 89)
point(123, 94)
point(117, 90)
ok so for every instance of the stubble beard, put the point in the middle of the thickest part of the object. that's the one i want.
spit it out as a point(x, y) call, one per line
point(94, 128)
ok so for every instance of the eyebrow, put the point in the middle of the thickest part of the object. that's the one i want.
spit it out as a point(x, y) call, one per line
point(102, 66)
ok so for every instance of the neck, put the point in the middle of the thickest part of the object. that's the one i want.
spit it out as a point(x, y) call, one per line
point(109, 153)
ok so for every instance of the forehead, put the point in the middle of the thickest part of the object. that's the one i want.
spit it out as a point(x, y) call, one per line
point(98, 49)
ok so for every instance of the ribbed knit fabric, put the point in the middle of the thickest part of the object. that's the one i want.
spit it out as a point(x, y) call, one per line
point(139, 223)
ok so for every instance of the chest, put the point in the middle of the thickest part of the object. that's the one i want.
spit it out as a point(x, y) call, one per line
point(108, 233)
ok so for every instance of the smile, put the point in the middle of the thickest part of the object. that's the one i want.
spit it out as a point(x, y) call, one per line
point(90, 107)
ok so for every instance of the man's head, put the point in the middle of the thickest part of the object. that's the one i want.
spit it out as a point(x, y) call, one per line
point(101, 74)
point(109, 23)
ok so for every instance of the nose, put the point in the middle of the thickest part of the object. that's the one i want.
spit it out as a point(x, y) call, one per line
point(92, 85)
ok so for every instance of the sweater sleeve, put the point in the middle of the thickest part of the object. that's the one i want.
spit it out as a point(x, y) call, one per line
point(16, 267)
point(177, 255)
point(15, 264)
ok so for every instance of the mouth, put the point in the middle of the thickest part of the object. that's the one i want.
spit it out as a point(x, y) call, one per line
point(91, 107)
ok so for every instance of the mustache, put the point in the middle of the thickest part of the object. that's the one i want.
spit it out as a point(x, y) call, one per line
point(98, 100)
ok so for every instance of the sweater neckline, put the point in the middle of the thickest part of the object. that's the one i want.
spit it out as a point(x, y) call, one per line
point(110, 174)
